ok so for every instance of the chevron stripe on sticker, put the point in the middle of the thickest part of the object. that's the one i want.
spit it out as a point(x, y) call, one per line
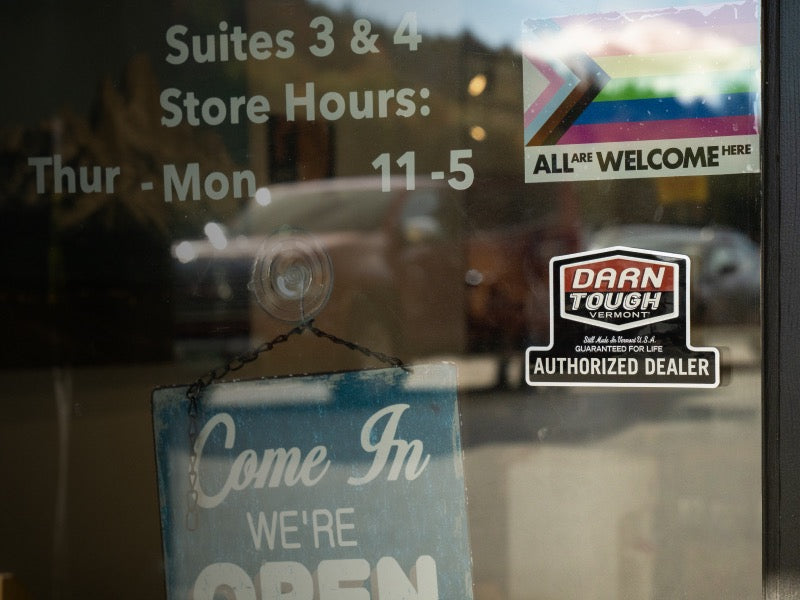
point(557, 89)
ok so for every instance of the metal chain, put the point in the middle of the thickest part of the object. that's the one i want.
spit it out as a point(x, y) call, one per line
point(195, 390)
point(192, 514)
point(385, 358)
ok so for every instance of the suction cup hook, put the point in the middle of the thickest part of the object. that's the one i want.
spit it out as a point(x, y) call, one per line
point(292, 276)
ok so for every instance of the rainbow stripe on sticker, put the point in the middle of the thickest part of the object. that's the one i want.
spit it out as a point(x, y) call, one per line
point(615, 78)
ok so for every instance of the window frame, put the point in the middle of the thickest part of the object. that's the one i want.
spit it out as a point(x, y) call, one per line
point(781, 297)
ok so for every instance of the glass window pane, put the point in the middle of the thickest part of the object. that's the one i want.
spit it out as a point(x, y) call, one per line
point(440, 156)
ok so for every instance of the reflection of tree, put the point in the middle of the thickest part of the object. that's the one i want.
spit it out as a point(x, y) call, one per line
point(444, 65)
point(94, 267)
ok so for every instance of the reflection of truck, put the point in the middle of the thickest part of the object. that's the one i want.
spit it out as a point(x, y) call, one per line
point(408, 280)
point(508, 303)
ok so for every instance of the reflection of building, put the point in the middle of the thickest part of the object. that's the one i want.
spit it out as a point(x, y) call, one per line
point(329, 116)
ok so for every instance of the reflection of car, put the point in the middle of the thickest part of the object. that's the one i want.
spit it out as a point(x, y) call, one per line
point(726, 271)
point(398, 264)
point(407, 279)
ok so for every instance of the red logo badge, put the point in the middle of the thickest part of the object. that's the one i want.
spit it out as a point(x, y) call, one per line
point(619, 292)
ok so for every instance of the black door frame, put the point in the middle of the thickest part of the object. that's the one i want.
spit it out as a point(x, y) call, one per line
point(781, 256)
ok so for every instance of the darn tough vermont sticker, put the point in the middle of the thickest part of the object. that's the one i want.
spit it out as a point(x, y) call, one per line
point(620, 317)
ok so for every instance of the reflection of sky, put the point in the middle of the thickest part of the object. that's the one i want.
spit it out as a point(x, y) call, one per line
point(495, 23)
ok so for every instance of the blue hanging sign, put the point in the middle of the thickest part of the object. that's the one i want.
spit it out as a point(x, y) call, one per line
point(342, 486)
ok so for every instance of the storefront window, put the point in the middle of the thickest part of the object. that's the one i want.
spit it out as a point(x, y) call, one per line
point(419, 169)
